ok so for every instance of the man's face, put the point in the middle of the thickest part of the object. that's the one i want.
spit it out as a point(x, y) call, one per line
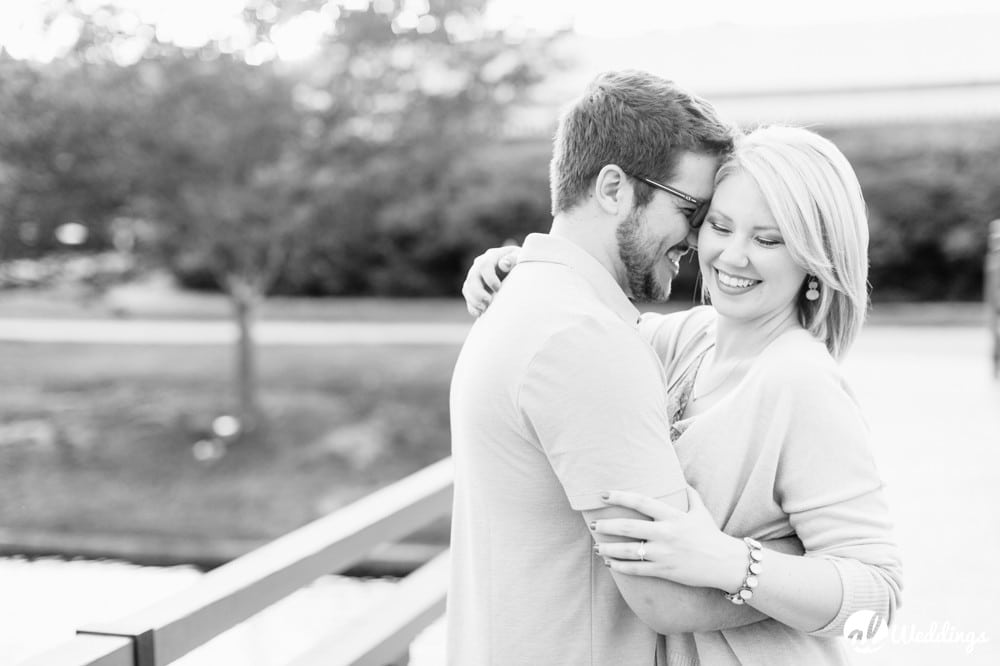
point(652, 240)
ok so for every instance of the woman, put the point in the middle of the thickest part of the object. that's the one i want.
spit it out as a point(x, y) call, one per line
point(768, 433)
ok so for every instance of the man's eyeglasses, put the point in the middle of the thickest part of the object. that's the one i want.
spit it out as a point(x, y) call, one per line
point(694, 217)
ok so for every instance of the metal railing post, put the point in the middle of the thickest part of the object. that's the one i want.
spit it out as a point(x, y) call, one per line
point(991, 291)
point(142, 642)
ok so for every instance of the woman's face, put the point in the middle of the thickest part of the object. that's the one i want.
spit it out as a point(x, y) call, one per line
point(745, 265)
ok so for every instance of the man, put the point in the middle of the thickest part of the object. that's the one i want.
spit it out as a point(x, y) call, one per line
point(555, 398)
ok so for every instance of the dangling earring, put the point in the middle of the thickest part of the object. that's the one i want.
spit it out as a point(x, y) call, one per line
point(812, 294)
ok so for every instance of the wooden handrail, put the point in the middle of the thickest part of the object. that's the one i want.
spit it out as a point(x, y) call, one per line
point(224, 597)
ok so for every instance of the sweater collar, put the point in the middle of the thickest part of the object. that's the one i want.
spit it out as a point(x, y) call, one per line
point(551, 249)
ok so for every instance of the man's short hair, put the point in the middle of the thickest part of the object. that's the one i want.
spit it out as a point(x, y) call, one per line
point(638, 121)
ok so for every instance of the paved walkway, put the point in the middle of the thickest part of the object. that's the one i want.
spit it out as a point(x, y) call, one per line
point(934, 410)
point(192, 332)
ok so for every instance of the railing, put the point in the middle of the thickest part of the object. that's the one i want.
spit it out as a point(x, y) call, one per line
point(228, 595)
point(991, 291)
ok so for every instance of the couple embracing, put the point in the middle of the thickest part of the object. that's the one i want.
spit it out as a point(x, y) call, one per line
point(681, 489)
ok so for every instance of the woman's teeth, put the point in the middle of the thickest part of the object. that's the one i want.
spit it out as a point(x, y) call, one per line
point(733, 281)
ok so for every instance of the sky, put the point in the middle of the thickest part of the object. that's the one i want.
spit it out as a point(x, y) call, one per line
point(718, 48)
point(627, 17)
point(192, 22)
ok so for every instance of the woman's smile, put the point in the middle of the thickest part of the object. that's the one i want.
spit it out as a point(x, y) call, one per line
point(734, 284)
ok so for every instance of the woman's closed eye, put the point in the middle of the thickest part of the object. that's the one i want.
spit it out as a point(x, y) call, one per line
point(764, 241)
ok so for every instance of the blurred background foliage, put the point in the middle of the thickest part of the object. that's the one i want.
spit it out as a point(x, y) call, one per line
point(334, 177)
point(382, 166)
point(931, 191)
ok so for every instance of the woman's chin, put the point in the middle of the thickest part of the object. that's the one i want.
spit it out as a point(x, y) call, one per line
point(730, 306)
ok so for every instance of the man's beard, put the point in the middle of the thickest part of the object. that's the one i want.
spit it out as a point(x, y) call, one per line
point(639, 255)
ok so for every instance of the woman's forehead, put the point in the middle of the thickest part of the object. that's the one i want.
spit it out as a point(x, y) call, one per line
point(738, 198)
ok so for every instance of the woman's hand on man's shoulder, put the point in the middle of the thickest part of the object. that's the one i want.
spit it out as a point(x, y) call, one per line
point(486, 275)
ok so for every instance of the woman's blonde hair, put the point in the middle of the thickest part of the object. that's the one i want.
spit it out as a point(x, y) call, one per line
point(816, 200)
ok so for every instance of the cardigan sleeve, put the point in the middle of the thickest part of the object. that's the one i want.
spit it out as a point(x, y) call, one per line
point(828, 484)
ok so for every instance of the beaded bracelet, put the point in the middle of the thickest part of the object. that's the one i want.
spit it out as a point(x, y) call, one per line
point(754, 556)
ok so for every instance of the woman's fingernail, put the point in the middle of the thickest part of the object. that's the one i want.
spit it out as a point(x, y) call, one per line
point(593, 525)
point(607, 563)
point(597, 548)
point(605, 495)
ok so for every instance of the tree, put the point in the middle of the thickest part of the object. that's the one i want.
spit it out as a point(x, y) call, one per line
point(243, 161)
point(226, 177)
point(63, 163)
point(403, 102)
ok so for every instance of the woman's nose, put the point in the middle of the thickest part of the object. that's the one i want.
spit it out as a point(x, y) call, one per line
point(735, 254)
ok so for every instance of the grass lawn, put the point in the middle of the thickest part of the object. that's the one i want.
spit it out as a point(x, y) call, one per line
point(122, 419)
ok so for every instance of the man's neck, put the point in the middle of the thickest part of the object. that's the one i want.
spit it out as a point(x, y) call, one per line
point(596, 237)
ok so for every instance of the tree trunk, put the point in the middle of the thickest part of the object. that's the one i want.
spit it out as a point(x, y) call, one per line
point(245, 299)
